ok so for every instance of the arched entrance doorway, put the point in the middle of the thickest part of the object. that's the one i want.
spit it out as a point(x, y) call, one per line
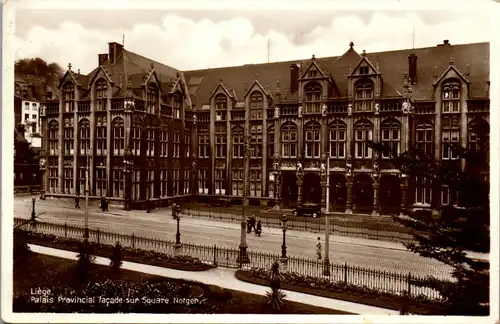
point(390, 194)
point(363, 193)
point(338, 192)
point(289, 192)
point(311, 188)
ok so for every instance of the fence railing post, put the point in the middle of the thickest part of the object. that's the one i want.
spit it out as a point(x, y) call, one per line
point(215, 255)
point(409, 283)
point(133, 240)
point(98, 236)
point(65, 230)
point(345, 272)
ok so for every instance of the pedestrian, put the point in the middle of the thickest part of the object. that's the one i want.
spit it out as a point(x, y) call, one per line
point(258, 229)
point(102, 204)
point(318, 248)
point(77, 201)
point(105, 204)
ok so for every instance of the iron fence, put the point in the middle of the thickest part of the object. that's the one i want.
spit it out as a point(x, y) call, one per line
point(383, 281)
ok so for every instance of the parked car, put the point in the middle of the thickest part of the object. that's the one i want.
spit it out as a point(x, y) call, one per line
point(312, 210)
point(219, 202)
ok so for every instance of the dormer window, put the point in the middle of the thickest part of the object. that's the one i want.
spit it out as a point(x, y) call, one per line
point(363, 70)
point(313, 73)
point(220, 107)
point(451, 97)
point(101, 95)
point(364, 95)
point(152, 98)
point(69, 97)
point(256, 105)
point(176, 105)
point(313, 97)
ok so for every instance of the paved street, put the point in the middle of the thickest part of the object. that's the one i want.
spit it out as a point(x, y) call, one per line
point(159, 224)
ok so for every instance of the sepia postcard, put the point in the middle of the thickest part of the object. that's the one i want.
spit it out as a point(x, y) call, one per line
point(215, 161)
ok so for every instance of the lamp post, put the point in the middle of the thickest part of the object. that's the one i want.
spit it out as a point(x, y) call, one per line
point(42, 174)
point(127, 163)
point(284, 221)
point(33, 213)
point(178, 234)
point(87, 187)
point(243, 255)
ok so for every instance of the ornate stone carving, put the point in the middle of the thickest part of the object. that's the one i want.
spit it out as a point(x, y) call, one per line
point(349, 165)
point(300, 111)
point(322, 168)
point(42, 163)
point(193, 165)
point(276, 165)
point(377, 108)
point(406, 107)
point(277, 112)
point(195, 119)
point(324, 110)
point(349, 109)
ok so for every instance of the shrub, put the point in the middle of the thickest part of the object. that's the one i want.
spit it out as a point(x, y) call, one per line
point(116, 258)
point(86, 259)
point(276, 299)
point(21, 249)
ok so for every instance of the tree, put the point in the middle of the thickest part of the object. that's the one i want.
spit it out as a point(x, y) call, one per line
point(275, 297)
point(40, 73)
point(85, 260)
point(448, 232)
point(116, 258)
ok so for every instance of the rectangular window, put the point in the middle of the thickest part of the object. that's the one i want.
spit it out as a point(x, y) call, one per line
point(203, 181)
point(68, 180)
point(187, 181)
point(363, 151)
point(423, 191)
point(220, 178)
point(100, 181)
point(237, 182)
point(176, 143)
point(255, 183)
point(118, 182)
point(136, 185)
point(450, 138)
point(203, 146)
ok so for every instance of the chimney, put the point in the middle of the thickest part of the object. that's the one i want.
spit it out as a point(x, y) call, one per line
point(31, 90)
point(446, 42)
point(412, 68)
point(294, 78)
point(102, 58)
point(115, 50)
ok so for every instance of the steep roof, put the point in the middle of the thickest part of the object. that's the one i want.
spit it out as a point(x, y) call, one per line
point(471, 59)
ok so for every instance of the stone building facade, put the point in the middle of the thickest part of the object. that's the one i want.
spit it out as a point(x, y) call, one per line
point(264, 132)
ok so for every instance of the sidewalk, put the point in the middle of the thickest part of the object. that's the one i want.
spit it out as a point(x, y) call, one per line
point(225, 278)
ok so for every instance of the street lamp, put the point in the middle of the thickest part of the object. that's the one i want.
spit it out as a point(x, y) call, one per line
point(127, 162)
point(284, 220)
point(243, 255)
point(178, 234)
point(33, 213)
point(42, 163)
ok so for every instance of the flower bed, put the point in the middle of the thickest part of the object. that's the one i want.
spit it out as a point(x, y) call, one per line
point(180, 262)
point(348, 292)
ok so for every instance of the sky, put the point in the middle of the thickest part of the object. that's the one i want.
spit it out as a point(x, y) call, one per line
point(200, 39)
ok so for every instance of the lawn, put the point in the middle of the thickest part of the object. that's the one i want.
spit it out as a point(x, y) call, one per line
point(57, 274)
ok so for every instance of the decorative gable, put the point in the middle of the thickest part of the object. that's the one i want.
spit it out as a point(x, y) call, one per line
point(181, 85)
point(68, 76)
point(257, 86)
point(221, 88)
point(451, 72)
point(364, 67)
point(101, 73)
point(313, 71)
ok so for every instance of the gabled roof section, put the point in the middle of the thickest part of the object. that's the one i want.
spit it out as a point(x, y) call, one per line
point(451, 67)
point(364, 59)
point(93, 75)
point(342, 66)
point(264, 90)
point(313, 65)
point(182, 84)
point(221, 85)
point(69, 74)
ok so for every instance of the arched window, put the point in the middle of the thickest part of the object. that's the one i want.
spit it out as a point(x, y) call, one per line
point(152, 96)
point(478, 131)
point(256, 141)
point(69, 136)
point(312, 93)
point(256, 105)
point(136, 139)
point(337, 139)
point(270, 142)
point(238, 142)
point(53, 138)
point(425, 139)
point(363, 133)
point(177, 104)
point(289, 140)
point(363, 95)
point(101, 94)
point(69, 97)
point(450, 136)
point(101, 131)
point(220, 107)
point(84, 136)
point(203, 144)
point(312, 140)
point(391, 130)
point(220, 141)
point(118, 136)
point(451, 96)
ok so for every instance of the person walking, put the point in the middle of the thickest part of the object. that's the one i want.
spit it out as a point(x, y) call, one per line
point(318, 248)
point(77, 201)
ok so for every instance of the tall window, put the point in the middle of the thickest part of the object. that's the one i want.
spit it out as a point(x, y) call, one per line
point(177, 104)
point(425, 139)
point(451, 96)
point(270, 141)
point(220, 107)
point(101, 135)
point(152, 96)
point(176, 143)
point(203, 181)
point(82, 177)
point(256, 105)
point(220, 178)
point(164, 143)
point(390, 138)
point(101, 94)
point(53, 173)
point(69, 136)
point(136, 185)
point(312, 140)
point(289, 140)
point(151, 136)
point(423, 191)
point(84, 132)
point(187, 181)
point(337, 139)
point(474, 142)
point(220, 141)
point(118, 133)
point(163, 182)
point(176, 181)
point(118, 181)
point(53, 137)
point(450, 137)
point(187, 143)
point(203, 144)
point(256, 141)
point(238, 142)
point(312, 97)
point(100, 178)
point(136, 140)
point(364, 95)
point(255, 183)
point(69, 97)
point(68, 179)
point(237, 180)
point(363, 133)
point(150, 183)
